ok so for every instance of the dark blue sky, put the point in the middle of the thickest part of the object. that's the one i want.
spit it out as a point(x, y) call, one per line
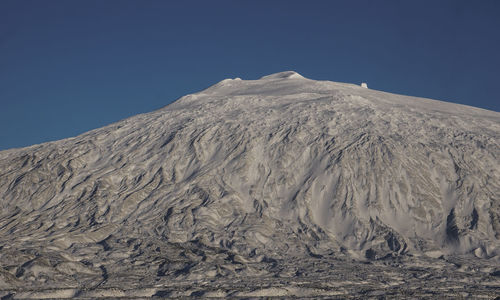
point(67, 67)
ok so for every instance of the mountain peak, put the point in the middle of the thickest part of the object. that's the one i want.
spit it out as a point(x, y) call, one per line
point(284, 75)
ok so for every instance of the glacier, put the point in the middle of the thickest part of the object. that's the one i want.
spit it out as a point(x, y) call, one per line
point(281, 186)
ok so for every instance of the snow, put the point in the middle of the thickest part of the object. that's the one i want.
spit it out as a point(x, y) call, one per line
point(269, 187)
point(283, 75)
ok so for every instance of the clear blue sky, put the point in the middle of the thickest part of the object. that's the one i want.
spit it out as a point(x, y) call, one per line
point(67, 67)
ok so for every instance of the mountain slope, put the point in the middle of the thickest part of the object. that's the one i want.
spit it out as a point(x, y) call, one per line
point(249, 172)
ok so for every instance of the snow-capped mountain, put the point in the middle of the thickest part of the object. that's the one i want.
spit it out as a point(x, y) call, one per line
point(245, 178)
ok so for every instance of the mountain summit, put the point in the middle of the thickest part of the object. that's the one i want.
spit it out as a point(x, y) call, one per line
point(283, 75)
point(273, 179)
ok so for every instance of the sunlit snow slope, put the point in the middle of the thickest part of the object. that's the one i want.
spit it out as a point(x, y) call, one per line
point(253, 170)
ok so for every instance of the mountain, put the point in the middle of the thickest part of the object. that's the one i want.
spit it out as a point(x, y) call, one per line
point(277, 186)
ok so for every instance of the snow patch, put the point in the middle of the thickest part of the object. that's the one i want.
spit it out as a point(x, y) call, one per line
point(283, 75)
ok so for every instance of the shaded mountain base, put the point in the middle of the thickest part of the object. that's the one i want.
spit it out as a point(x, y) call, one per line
point(194, 270)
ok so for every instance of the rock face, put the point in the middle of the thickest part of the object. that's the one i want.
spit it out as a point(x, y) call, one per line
point(247, 173)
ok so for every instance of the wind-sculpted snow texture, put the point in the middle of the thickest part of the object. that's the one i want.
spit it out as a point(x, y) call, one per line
point(282, 186)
